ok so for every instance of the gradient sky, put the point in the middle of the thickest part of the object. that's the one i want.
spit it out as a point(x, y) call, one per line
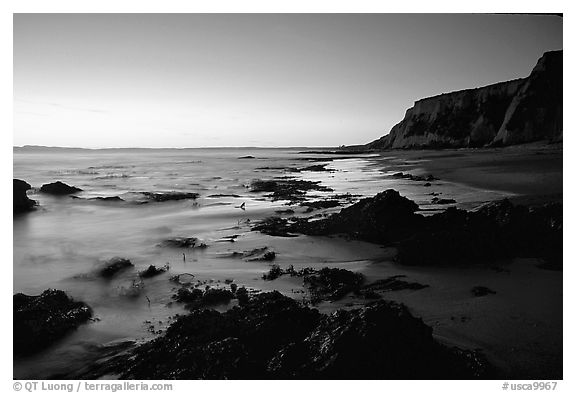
point(197, 80)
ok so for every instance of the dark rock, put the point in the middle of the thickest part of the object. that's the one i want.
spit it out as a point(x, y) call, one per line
point(185, 279)
point(224, 196)
point(482, 291)
point(183, 242)
point(331, 283)
point(257, 254)
point(496, 231)
point(263, 186)
point(246, 158)
point(108, 199)
point(274, 337)
point(324, 204)
point(381, 341)
point(274, 226)
point(153, 271)
point(442, 201)
point(242, 296)
point(20, 201)
point(273, 274)
point(324, 284)
point(115, 266)
point(169, 196)
point(290, 190)
point(392, 284)
point(196, 298)
point(59, 188)
point(185, 295)
point(41, 320)
point(408, 176)
point(278, 168)
point(316, 168)
point(234, 345)
point(383, 218)
point(266, 256)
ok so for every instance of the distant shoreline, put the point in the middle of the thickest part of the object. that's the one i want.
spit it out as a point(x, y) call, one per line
point(34, 148)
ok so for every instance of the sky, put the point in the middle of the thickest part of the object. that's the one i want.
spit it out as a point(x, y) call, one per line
point(270, 80)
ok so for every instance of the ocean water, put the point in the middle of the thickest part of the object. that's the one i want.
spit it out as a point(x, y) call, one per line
point(63, 242)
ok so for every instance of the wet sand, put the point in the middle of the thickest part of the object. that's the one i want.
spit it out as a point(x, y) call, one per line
point(519, 327)
point(531, 172)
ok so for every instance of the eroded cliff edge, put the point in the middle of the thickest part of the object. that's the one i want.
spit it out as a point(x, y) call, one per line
point(518, 111)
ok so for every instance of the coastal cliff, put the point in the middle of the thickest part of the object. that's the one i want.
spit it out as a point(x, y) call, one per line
point(512, 112)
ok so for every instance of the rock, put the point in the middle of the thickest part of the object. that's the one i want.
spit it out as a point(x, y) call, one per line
point(442, 201)
point(391, 284)
point(315, 168)
point(246, 158)
point(288, 189)
point(496, 231)
point(517, 111)
point(264, 255)
point(273, 274)
point(324, 284)
point(153, 271)
point(185, 295)
point(183, 279)
point(263, 186)
point(183, 242)
point(224, 196)
point(169, 196)
point(331, 283)
point(274, 226)
point(41, 320)
point(408, 176)
point(103, 199)
point(107, 199)
point(383, 218)
point(324, 204)
point(20, 201)
point(59, 188)
point(272, 336)
point(115, 266)
point(535, 112)
point(242, 296)
point(482, 291)
point(196, 298)
point(256, 254)
point(381, 341)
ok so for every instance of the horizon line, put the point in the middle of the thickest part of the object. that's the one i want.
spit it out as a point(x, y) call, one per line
point(176, 148)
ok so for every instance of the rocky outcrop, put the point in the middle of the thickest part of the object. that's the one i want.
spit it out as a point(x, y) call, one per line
point(496, 231)
point(271, 336)
point(115, 266)
point(59, 188)
point(20, 201)
point(169, 196)
point(517, 111)
point(535, 113)
point(41, 320)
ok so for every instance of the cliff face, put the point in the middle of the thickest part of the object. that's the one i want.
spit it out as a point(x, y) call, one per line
point(517, 111)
